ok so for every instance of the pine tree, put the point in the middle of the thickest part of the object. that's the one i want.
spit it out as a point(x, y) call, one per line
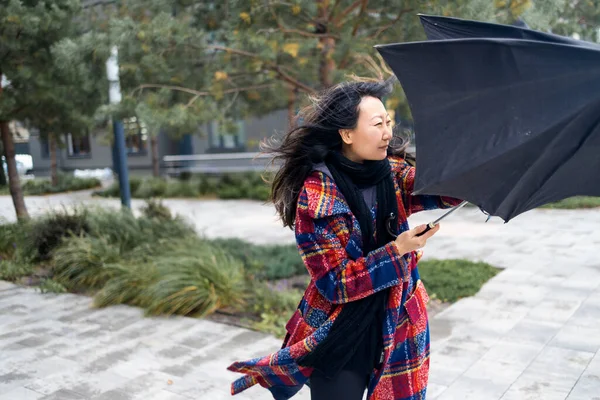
point(43, 90)
point(581, 17)
point(27, 30)
point(192, 61)
point(77, 76)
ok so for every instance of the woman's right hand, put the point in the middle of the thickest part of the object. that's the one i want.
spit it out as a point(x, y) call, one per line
point(408, 241)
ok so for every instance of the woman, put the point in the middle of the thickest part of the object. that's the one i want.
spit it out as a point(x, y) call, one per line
point(346, 190)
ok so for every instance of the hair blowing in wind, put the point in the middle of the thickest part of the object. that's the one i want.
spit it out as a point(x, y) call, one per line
point(317, 137)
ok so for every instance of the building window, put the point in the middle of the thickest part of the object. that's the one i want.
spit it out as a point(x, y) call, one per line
point(136, 136)
point(78, 146)
point(228, 137)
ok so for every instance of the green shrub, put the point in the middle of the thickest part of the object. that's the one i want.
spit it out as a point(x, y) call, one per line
point(79, 264)
point(273, 308)
point(152, 187)
point(51, 286)
point(260, 192)
point(450, 280)
point(182, 189)
point(123, 229)
point(195, 285)
point(208, 184)
point(114, 191)
point(13, 270)
point(185, 176)
point(265, 262)
point(128, 284)
point(11, 238)
point(47, 233)
point(36, 187)
point(66, 183)
point(156, 209)
point(231, 192)
point(187, 277)
point(249, 185)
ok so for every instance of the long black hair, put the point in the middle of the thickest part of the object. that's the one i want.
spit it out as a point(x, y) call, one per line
point(317, 135)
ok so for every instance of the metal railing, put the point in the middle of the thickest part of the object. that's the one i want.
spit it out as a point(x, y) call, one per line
point(215, 163)
point(219, 163)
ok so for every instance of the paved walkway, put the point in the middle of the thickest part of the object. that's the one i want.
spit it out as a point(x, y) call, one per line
point(533, 331)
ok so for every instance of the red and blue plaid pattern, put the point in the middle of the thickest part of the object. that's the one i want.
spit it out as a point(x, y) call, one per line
point(329, 241)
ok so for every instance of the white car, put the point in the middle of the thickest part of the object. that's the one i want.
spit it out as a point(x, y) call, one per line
point(22, 165)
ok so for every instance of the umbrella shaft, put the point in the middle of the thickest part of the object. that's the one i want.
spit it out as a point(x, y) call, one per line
point(461, 205)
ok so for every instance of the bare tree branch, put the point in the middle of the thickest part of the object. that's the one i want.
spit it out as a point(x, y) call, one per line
point(333, 9)
point(361, 14)
point(233, 51)
point(391, 24)
point(307, 34)
point(370, 64)
point(348, 10)
point(196, 93)
point(269, 65)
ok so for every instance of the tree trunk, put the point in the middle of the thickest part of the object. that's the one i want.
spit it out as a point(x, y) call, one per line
point(53, 164)
point(155, 165)
point(291, 107)
point(13, 176)
point(327, 45)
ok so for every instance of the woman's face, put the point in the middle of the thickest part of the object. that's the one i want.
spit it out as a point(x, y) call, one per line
point(371, 137)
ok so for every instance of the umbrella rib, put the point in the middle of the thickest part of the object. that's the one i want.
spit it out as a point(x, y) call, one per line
point(458, 174)
point(562, 164)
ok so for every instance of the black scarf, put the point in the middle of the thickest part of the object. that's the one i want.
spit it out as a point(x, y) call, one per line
point(352, 324)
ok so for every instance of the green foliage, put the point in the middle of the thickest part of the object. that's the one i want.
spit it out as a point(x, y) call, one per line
point(578, 16)
point(268, 262)
point(196, 284)
point(113, 190)
point(51, 286)
point(124, 230)
point(128, 284)
point(79, 264)
point(151, 187)
point(198, 61)
point(13, 270)
point(56, 72)
point(182, 189)
point(47, 233)
point(66, 183)
point(450, 280)
point(248, 185)
point(573, 203)
point(156, 209)
point(187, 277)
point(11, 238)
point(274, 308)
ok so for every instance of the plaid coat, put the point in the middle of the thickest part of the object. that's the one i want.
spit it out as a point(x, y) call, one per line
point(329, 241)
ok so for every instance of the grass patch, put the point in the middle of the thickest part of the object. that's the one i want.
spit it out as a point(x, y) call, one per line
point(451, 280)
point(273, 308)
point(574, 203)
point(249, 185)
point(269, 262)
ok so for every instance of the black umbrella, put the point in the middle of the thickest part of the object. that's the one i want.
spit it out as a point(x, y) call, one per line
point(440, 28)
point(507, 124)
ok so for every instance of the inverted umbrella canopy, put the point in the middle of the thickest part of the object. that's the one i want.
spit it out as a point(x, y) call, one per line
point(441, 28)
point(506, 124)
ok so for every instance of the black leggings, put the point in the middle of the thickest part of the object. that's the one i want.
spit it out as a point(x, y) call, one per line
point(347, 385)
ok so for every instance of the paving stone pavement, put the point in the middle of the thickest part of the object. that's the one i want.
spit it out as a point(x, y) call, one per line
point(532, 332)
